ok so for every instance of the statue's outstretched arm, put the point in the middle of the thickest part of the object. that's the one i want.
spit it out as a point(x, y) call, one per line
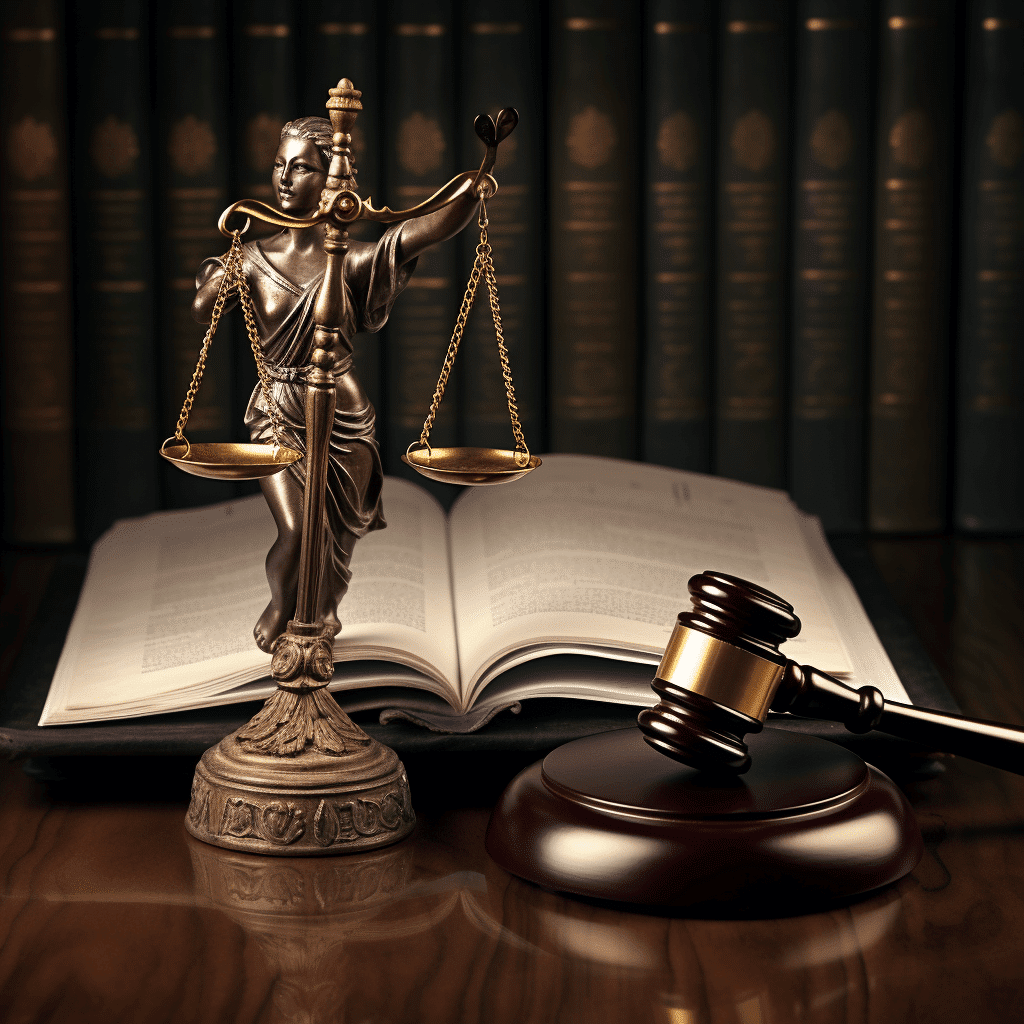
point(419, 233)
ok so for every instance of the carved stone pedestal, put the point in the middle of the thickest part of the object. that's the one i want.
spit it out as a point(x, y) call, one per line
point(301, 778)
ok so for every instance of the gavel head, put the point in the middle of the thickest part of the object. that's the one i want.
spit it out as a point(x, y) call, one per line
point(719, 674)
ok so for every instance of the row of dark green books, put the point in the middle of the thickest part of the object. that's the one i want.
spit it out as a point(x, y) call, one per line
point(781, 242)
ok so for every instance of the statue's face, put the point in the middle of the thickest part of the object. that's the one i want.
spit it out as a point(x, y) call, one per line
point(299, 176)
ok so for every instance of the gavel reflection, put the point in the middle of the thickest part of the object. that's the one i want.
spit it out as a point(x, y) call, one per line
point(722, 672)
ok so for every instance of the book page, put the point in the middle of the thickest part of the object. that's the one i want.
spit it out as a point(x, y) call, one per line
point(599, 551)
point(166, 612)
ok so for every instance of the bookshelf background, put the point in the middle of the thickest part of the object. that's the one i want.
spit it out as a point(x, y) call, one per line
point(781, 241)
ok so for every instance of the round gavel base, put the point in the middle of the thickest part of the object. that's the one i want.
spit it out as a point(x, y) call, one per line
point(610, 818)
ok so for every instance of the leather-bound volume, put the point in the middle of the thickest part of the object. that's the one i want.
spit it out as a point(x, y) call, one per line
point(116, 361)
point(990, 381)
point(195, 151)
point(38, 449)
point(831, 220)
point(593, 280)
point(419, 157)
point(909, 377)
point(753, 138)
point(264, 90)
point(340, 39)
point(499, 40)
point(679, 89)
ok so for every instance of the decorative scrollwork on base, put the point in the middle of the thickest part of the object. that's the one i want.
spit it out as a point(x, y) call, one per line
point(339, 823)
point(276, 822)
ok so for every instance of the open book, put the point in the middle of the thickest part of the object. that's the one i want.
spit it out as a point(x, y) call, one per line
point(566, 583)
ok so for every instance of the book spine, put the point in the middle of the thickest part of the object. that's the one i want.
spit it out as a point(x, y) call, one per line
point(340, 40)
point(909, 379)
point(750, 420)
point(593, 279)
point(264, 90)
point(831, 221)
point(678, 88)
point(38, 450)
point(194, 170)
point(115, 356)
point(499, 38)
point(990, 381)
point(418, 118)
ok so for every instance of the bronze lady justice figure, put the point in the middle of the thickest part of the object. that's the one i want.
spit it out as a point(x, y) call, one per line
point(284, 273)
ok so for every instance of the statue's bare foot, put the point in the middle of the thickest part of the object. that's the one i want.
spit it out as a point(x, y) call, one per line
point(332, 627)
point(270, 625)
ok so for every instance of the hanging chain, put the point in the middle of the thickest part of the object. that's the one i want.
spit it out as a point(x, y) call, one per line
point(483, 267)
point(233, 279)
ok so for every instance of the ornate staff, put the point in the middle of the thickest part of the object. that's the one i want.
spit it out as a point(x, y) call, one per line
point(301, 778)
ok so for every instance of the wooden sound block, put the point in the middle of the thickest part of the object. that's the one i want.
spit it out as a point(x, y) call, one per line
point(610, 818)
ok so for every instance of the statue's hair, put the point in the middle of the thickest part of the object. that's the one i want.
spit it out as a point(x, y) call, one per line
point(317, 129)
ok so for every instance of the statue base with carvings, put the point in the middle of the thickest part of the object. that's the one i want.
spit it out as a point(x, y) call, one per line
point(301, 778)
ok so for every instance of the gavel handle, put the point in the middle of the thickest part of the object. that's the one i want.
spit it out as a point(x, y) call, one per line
point(806, 691)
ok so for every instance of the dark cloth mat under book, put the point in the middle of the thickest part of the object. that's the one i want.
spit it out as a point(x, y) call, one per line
point(541, 725)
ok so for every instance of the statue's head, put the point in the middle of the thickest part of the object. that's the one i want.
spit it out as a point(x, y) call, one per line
point(300, 167)
point(317, 130)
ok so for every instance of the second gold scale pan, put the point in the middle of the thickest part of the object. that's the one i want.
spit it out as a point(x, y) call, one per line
point(479, 467)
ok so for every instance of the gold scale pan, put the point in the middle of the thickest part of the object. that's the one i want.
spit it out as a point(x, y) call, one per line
point(451, 465)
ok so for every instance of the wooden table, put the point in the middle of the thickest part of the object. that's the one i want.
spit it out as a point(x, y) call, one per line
point(110, 913)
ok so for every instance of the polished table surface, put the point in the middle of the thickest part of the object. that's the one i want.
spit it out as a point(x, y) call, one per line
point(110, 912)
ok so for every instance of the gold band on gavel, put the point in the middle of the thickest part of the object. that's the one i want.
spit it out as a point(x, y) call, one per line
point(719, 671)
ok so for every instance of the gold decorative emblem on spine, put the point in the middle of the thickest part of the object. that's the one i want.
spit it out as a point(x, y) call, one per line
point(592, 138)
point(679, 141)
point(115, 147)
point(192, 146)
point(832, 140)
point(753, 141)
point(1005, 139)
point(262, 136)
point(420, 144)
point(32, 149)
point(912, 140)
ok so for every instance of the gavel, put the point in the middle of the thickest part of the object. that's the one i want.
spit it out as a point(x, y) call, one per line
point(722, 672)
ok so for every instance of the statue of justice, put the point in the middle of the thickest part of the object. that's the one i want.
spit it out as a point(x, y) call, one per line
point(301, 777)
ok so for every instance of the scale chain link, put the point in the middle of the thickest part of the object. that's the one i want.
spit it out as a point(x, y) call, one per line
point(233, 280)
point(483, 267)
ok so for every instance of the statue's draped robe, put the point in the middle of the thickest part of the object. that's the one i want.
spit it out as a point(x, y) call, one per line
point(287, 350)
